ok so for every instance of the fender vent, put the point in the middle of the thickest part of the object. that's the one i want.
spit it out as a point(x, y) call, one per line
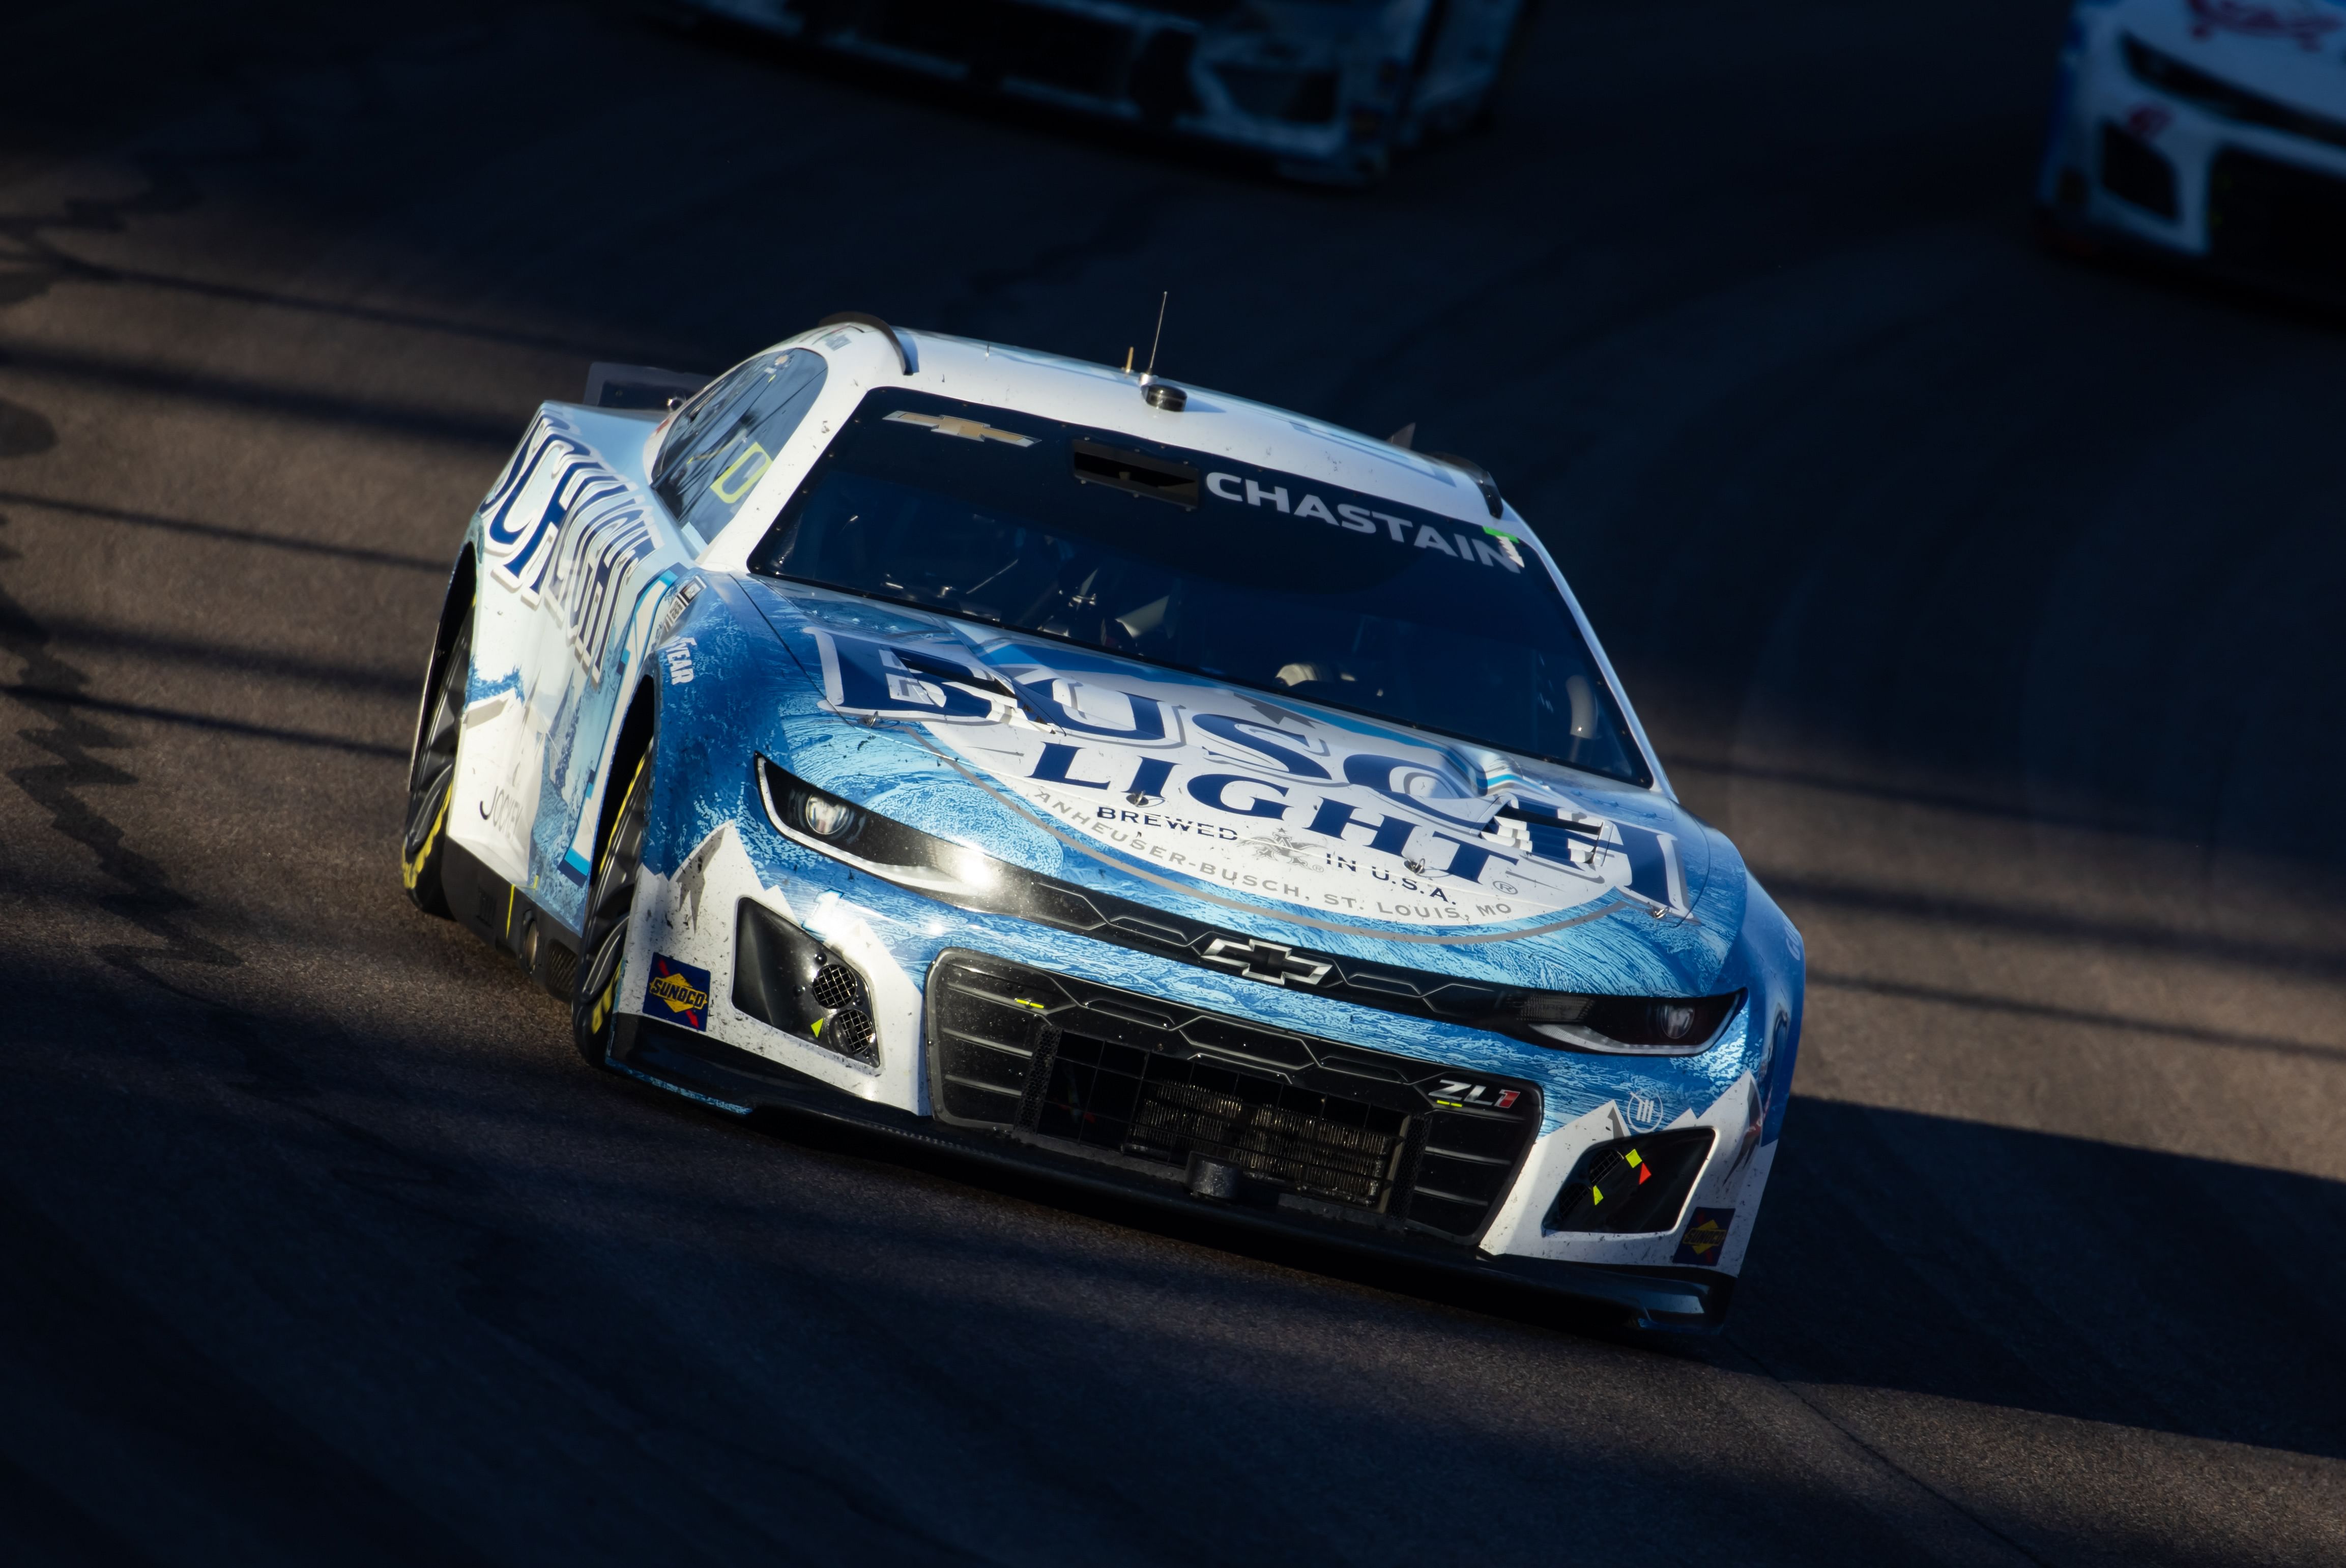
point(1633, 1186)
point(784, 977)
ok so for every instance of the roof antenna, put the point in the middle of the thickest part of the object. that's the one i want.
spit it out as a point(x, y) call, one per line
point(1149, 374)
point(1156, 392)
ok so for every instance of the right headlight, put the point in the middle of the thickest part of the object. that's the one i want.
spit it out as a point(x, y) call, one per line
point(1625, 1025)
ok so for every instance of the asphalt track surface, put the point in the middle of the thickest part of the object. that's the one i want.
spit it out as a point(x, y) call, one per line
point(1990, 601)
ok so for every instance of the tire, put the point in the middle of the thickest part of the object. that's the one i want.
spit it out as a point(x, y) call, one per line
point(432, 773)
point(610, 901)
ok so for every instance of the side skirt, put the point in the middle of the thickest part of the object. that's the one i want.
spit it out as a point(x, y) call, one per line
point(509, 920)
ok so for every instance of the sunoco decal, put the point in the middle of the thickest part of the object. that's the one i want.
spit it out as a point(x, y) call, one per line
point(678, 993)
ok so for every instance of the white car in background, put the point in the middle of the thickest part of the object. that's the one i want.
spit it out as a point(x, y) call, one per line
point(2210, 129)
point(1327, 90)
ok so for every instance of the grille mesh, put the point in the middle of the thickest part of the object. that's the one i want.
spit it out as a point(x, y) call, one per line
point(851, 1031)
point(1160, 1108)
point(1312, 1125)
point(835, 986)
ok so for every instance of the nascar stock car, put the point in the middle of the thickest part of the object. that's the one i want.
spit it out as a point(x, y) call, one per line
point(2208, 129)
point(1327, 90)
point(1113, 778)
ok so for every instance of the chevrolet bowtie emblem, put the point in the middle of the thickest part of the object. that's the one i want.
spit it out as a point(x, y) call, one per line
point(1269, 961)
point(966, 429)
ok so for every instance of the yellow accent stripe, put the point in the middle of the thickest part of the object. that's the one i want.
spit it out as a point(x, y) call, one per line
point(607, 1003)
point(410, 871)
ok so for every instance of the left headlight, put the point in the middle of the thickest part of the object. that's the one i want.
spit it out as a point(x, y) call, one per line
point(794, 803)
point(841, 829)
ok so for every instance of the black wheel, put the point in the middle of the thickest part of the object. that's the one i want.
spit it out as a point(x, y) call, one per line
point(432, 773)
point(610, 899)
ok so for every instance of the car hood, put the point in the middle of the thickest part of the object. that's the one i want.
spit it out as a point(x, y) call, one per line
point(1283, 820)
point(2290, 50)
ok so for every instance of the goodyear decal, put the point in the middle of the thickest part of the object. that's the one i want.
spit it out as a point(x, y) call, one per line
point(678, 993)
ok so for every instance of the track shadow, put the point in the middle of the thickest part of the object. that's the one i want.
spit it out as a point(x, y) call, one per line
point(1951, 1258)
point(2054, 1274)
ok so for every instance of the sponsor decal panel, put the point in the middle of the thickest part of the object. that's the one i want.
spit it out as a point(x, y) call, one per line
point(1462, 542)
point(560, 526)
point(1255, 797)
point(1705, 1235)
point(678, 993)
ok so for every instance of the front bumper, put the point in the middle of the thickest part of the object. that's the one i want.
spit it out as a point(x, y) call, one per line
point(2149, 170)
point(742, 1084)
point(1446, 1188)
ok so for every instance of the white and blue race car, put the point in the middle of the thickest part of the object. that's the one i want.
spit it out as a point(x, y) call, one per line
point(1129, 781)
point(2213, 130)
point(1325, 90)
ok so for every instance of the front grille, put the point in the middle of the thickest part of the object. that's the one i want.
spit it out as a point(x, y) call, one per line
point(2276, 217)
point(1153, 1107)
point(1314, 1126)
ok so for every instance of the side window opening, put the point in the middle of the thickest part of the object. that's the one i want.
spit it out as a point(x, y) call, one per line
point(722, 444)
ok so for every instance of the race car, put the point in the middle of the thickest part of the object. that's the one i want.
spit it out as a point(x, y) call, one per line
point(2208, 129)
point(1113, 778)
point(1327, 90)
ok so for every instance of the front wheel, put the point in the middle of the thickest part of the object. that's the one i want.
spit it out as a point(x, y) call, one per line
point(610, 901)
point(431, 772)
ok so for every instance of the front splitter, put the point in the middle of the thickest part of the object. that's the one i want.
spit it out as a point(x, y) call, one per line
point(729, 1079)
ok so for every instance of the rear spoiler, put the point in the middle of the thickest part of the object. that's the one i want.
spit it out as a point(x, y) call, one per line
point(638, 386)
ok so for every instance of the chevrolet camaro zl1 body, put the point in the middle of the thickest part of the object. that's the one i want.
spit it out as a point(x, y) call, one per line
point(1135, 783)
point(2209, 129)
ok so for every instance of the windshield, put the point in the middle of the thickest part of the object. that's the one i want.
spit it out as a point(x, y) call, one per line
point(1247, 575)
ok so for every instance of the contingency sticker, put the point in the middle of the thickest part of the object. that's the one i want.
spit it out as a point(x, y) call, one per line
point(1704, 1234)
point(680, 991)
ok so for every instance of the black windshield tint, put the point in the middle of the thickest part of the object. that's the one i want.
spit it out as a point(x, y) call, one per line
point(1243, 573)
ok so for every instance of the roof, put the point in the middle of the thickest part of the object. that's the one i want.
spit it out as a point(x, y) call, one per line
point(1212, 423)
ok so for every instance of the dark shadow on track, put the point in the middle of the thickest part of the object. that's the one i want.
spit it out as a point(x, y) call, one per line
point(1893, 1259)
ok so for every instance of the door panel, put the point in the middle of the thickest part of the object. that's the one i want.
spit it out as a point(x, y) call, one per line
point(577, 555)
